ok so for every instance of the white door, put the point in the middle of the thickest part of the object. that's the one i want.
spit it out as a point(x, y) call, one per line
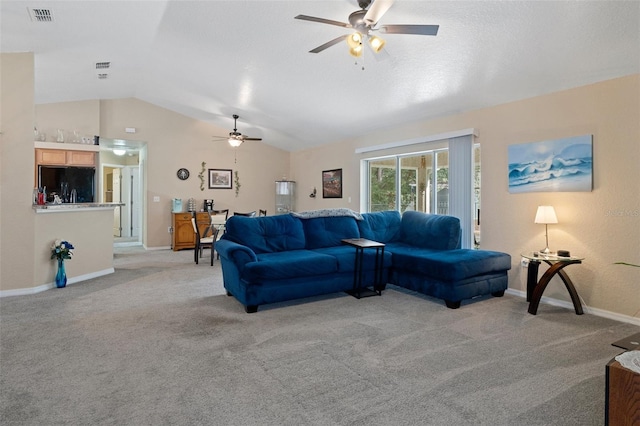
point(131, 211)
point(117, 225)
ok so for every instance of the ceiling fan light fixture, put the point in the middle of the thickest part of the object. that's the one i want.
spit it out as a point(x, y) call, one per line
point(356, 51)
point(235, 142)
point(354, 40)
point(376, 43)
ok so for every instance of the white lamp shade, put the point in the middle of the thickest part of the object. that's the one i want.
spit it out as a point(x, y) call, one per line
point(546, 214)
point(376, 43)
point(235, 142)
point(356, 51)
point(119, 152)
point(354, 40)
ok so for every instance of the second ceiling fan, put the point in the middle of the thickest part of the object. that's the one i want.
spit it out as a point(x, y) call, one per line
point(364, 23)
point(236, 138)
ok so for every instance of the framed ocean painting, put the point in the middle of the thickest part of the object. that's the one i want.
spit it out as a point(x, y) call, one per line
point(562, 165)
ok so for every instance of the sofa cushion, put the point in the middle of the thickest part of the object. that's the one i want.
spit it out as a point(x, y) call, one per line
point(380, 226)
point(431, 231)
point(266, 234)
point(448, 265)
point(329, 231)
point(290, 264)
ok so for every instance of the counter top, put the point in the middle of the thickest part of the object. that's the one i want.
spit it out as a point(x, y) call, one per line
point(66, 207)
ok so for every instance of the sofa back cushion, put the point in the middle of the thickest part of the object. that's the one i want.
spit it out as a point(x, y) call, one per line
point(266, 234)
point(328, 231)
point(380, 226)
point(431, 231)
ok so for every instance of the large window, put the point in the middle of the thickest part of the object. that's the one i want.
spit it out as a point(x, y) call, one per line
point(421, 181)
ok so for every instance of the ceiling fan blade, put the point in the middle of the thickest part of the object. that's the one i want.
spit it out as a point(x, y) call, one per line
point(410, 29)
point(329, 44)
point(376, 10)
point(322, 21)
point(251, 139)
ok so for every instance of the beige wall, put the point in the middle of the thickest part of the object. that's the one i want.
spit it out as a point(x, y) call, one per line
point(93, 254)
point(602, 225)
point(17, 234)
point(82, 116)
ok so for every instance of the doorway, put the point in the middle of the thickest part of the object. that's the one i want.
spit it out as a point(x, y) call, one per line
point(122, 182)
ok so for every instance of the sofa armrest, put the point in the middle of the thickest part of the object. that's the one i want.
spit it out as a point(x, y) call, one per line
point(237, 253)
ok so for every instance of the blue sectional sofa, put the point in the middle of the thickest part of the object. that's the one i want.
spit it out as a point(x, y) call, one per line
point(277, 258)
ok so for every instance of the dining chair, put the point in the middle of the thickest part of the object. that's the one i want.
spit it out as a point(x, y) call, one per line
point(203, 239)
point(218, 222)
point(262, 212)
point(249, 214)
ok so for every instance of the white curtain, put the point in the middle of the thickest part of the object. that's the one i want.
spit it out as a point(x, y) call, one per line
point(461, 185)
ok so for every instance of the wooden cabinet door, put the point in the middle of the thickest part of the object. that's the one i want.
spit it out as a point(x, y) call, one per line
point(81, 158)
point(56, 157)
point(183, 235)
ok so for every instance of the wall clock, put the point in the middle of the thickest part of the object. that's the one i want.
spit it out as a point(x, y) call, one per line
point(183, 174)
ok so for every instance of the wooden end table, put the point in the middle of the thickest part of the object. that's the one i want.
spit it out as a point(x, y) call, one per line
point(556, 264)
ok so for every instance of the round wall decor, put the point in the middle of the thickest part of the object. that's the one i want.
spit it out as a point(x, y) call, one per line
point(183, 174)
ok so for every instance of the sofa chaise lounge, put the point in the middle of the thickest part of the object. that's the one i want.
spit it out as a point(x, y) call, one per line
point(277, 258)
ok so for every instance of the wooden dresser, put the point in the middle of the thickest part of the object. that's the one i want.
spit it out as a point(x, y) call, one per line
point(183, 236)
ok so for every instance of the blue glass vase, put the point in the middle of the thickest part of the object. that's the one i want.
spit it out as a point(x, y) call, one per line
point(61, 275)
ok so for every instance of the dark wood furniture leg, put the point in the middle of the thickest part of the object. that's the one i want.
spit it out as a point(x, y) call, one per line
point(532, 277)
point(555, 268)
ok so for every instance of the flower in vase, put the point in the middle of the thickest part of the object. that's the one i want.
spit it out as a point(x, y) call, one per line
point(61, 250)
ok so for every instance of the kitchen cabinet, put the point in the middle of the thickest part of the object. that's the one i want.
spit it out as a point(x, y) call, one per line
point(183, 236)
point(61, 157)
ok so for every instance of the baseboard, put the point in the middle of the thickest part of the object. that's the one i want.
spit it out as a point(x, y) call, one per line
point(568, 305)
point(43, 287)
point(157, 248)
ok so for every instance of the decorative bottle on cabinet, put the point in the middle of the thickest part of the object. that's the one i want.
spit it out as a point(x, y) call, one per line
point(285, 196)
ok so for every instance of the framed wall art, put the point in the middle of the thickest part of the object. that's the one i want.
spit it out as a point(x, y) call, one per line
point(220, 179)
point(332, 183)
point(559, 165)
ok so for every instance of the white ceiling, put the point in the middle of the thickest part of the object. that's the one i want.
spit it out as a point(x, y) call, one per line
point(211, 59)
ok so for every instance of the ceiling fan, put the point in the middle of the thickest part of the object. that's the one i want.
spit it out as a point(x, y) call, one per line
point(236, 138)
point(364, 23)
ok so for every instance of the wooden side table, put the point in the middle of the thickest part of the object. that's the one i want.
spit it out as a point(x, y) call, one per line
point(360, 244)
point(556, 264)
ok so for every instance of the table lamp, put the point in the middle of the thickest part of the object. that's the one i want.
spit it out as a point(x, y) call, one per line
point(546, 215)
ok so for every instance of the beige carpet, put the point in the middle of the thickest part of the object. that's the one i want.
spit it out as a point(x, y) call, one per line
point(159, 343)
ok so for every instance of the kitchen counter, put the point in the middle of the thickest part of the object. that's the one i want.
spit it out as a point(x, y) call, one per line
point(64, 207)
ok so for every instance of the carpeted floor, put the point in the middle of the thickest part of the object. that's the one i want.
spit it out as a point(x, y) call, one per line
point(159, 343)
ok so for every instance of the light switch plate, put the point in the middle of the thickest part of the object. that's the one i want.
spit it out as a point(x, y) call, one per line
point(156, 199)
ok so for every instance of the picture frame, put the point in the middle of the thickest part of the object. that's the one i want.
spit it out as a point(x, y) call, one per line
point(557, 165)
point(332, 183)
point(220, 179)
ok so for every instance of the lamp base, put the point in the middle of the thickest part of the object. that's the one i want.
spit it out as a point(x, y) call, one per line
point(546, 251)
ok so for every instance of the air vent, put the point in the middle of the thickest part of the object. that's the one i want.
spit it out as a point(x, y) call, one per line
point(41, 15)
point(102, 65)
point(102, 76)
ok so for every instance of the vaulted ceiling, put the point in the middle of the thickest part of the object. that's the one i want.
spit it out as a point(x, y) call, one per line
point(212, 59)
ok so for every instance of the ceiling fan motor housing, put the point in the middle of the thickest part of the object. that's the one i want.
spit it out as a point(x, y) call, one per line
point(356, 19)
